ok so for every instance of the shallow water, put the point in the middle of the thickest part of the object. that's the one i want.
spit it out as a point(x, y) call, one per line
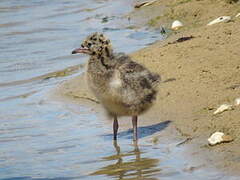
point(45, 139)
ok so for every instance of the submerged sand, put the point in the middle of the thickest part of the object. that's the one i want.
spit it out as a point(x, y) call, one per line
point(206, 70)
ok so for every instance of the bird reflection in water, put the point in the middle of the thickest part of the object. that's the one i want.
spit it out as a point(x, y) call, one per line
point(129, 165)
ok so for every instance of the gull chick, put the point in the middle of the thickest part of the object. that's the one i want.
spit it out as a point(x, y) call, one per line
point(124, 87)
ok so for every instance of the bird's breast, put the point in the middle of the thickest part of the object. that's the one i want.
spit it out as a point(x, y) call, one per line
point(116, 81)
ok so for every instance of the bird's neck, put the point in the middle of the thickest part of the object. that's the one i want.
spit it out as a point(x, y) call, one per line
point(106, 52)
point(105, 58)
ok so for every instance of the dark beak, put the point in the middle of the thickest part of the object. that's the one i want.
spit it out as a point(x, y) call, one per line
point(80, 50)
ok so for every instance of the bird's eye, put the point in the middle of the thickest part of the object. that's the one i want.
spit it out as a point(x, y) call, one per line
point(89, 44)
point(82, 45)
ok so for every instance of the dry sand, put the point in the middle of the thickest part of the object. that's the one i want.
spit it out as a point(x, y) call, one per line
point(206, 69)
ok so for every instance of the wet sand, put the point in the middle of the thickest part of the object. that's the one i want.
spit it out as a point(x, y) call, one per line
point(206, 69)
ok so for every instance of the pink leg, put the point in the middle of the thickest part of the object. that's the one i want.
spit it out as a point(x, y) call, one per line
point(115, 128)
point(134, 122)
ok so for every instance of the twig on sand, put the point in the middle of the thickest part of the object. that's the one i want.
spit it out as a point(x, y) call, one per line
point(87, 98)
point(182, 39)
point(184, 141)
point(146, 3)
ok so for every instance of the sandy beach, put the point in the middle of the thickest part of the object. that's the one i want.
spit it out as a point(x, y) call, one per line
point(205, 73)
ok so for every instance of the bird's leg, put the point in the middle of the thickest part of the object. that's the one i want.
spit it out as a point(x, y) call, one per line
point(115, 127)
point(134, 122)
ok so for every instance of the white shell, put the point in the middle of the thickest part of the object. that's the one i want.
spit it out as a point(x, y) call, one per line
point(220, 19)
point(237, 102)
point(176, 25)
point(222, 108)
point(238, 15)
point(219, 137)
point(216, 138)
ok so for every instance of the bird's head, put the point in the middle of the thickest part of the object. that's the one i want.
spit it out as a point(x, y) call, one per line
point(95, 44)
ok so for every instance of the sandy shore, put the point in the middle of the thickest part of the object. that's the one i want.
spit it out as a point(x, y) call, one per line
point(206, 69)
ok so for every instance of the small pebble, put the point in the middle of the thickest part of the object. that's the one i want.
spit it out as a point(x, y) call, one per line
point(237, 102)
point(227, 138)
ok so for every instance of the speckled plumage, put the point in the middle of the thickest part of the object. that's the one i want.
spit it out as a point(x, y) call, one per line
point(124, 87)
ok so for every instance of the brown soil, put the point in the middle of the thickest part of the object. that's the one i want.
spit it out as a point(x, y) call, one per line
point(206, 69)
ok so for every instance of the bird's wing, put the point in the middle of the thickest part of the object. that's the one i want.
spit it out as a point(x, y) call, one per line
point(138, 83)
point(136, 75)
point(130, 69)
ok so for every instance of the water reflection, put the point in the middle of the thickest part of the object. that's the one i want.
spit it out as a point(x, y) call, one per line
point(129, 165)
